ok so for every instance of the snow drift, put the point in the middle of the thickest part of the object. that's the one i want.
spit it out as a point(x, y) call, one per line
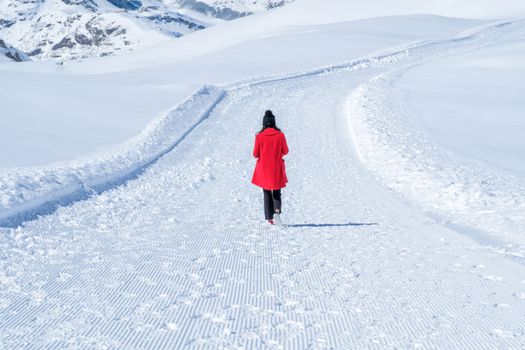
point(27, 192)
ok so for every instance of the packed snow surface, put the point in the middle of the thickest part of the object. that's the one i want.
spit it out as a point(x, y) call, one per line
point(399, 234)
point(179, 257)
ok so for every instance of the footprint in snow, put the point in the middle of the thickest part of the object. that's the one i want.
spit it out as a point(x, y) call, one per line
point(493, 278)
point(501, 333)
point(171, 326)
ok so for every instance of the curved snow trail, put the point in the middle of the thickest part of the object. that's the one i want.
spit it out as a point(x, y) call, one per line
point(179, 257)
point(466, 194)
point(27, 193)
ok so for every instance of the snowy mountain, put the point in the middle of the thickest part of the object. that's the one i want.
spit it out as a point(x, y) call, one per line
point(8, 52)
point(67, 29)
point(228, 9)
point(71, 29)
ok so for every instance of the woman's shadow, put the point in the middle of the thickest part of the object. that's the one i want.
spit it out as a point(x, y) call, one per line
point(335, 225)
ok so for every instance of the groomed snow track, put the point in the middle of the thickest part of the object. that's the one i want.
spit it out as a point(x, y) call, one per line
point(27, 193)
point(179, 257)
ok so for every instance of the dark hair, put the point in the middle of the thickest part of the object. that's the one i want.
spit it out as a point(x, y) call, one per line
point(269, 121)
point(266, 127)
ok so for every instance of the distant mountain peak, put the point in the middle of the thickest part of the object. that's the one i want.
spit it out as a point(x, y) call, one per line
point(72, 29)
point(11, 52)
point(127, 4)
point(228, 9)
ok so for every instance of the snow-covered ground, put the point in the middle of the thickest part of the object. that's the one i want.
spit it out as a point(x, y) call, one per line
point(480, 109)
point(400, 233)
point(446, 136)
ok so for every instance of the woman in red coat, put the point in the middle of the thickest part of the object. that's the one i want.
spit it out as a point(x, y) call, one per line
point(270, 174)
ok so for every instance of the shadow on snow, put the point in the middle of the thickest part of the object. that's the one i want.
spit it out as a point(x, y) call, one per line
point(334, 225)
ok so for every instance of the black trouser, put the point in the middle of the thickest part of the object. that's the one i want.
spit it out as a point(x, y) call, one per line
point(272, 202)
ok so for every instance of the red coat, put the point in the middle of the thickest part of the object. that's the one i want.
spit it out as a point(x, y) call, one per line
point(270, 147)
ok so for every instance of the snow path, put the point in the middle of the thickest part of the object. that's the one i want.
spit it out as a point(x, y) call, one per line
point(179, 257)
point(28, 192)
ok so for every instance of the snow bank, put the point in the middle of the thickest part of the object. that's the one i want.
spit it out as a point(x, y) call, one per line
point(467, 193)
point(454, 189)
point(28, 192)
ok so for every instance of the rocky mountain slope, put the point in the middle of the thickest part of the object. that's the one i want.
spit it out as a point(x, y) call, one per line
point(230, 9)
point(72, 29)
point(8, 52)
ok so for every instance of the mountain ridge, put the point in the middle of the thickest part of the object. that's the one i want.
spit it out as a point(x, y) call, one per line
point(75, 29)
point(11, 52)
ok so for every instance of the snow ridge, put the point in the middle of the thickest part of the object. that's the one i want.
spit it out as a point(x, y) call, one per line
point(455, 189)
point(26, 193)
